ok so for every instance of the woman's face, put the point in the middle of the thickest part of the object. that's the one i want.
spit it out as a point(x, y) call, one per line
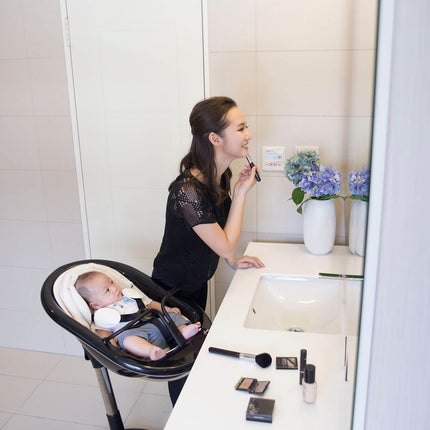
point(235, 137)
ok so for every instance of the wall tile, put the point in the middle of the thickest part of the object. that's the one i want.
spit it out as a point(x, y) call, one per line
point(239, 18)
point(34, 331)
point(24, 244)
point(21, 195)
point(340, 139)
point(21, 288)
point(49, 86)
point(67, 243)
point(55, 143)
point(233, 75)
point(12, 41)
point(275, 213)
point(288, 81)
point(61, 196)
point(18, 147)
point(15, 88)
point(43, 32)
point(315, 25)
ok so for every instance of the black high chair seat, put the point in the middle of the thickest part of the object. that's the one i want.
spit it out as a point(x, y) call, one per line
point(102, 354)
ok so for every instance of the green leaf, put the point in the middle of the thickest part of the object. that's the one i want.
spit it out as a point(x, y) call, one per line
point(300, 208)
point(297, 195)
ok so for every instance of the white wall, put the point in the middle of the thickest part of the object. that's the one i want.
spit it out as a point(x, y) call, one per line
point(40, 222)
point(303, 73)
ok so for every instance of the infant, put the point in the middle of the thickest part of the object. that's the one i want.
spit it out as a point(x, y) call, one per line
point(100, 291)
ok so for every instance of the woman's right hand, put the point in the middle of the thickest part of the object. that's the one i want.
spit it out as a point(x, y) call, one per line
point(246, 180)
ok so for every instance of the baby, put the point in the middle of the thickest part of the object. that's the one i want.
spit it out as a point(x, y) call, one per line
point(100, 291)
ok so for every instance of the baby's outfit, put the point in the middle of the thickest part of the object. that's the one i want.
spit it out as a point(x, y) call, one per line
point(147, 331)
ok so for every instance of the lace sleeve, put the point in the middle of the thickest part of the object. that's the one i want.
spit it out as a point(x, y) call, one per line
point(189, 201)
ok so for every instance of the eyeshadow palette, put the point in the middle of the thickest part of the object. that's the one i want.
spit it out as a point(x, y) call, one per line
point(251, 385)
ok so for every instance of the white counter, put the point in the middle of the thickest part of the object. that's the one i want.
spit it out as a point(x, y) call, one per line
point(209, 400)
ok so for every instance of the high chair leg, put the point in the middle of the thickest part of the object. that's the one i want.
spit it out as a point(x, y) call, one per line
point(112, 413)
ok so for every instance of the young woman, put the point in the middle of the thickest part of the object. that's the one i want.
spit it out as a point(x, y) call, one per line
point(202, 222)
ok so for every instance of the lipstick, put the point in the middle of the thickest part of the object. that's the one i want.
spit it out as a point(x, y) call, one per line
point(257, 176)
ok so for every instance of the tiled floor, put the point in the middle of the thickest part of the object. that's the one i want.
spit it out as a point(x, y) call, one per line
point(60, 392)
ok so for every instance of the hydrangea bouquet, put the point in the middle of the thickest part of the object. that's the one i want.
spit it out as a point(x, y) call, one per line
point(310, 177)
point(359, 184)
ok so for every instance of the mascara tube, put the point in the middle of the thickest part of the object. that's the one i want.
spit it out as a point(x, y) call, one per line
point(303, 354)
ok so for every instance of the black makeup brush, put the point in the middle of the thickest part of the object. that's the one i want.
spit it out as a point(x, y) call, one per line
point(263, 360)
point(251, 164)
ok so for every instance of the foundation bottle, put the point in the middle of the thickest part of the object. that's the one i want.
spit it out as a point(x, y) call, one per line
point(309, 384)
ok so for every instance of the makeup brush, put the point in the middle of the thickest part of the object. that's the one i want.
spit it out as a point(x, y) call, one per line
point(263, 360)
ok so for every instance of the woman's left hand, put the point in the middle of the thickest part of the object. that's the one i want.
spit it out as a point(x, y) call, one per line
point(244, 262)
point(173, 310)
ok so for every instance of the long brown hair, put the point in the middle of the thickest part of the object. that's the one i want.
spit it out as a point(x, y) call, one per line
point(207, 116)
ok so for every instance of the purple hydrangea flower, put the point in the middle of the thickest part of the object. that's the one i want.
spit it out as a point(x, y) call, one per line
point(321, 182)
point(359, 183)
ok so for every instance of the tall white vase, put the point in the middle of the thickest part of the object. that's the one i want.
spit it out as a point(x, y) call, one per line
point(319, 226)
point(357, 227)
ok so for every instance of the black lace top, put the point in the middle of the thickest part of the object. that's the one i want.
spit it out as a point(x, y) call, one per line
point(184, 260)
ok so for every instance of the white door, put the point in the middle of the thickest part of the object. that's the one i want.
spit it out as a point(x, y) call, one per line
point(137, 72)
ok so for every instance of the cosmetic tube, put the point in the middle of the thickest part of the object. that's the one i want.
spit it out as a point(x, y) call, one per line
point(303, 354)
point(309, 384)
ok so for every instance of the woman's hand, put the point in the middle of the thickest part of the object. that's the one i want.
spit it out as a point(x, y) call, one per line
point(172, 310)
point(244, 262)
point(246, 180)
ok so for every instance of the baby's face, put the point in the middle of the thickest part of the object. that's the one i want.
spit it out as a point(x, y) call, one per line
point(104, 291)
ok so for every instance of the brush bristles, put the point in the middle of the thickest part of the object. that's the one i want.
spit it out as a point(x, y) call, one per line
point(264, 359)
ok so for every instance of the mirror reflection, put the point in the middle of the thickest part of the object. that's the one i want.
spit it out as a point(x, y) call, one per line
point(303, 73)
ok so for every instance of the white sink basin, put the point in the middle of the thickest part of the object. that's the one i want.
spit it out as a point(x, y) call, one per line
point(305, 304)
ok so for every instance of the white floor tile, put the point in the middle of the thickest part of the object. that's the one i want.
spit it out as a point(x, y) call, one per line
point(53, 391)
point(14, 391)
point(74, 403)
point(20, 422)
point(29, 364)
point(150, 411)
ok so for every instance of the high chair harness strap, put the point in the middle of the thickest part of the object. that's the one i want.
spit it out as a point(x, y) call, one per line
point(129, 317)
point(156, 321)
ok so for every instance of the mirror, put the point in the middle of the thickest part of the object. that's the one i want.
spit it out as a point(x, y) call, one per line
point(303, 73)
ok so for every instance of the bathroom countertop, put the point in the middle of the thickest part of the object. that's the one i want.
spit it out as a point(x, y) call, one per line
point(209, 400)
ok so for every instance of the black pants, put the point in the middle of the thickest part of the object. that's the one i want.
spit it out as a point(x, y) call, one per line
point(198, 302)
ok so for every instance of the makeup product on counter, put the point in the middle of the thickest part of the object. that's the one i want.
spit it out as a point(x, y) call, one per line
point(260, 410)
point(303, 354)
point(251, 164)
point(264, 359)
point(309, 384)
point(286, 363)
point(252, 385)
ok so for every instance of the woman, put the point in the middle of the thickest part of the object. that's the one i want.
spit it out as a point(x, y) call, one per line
point(202, 222)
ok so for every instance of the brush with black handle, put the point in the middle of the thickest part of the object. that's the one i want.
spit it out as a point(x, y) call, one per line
point(263, 360)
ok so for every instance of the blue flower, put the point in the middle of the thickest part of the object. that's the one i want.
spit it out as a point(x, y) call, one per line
point(300, 164)
point(359, 183)
point(321, 183)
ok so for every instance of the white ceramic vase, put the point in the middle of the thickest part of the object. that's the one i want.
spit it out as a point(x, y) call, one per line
point(319, 226)
point(357, 227)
